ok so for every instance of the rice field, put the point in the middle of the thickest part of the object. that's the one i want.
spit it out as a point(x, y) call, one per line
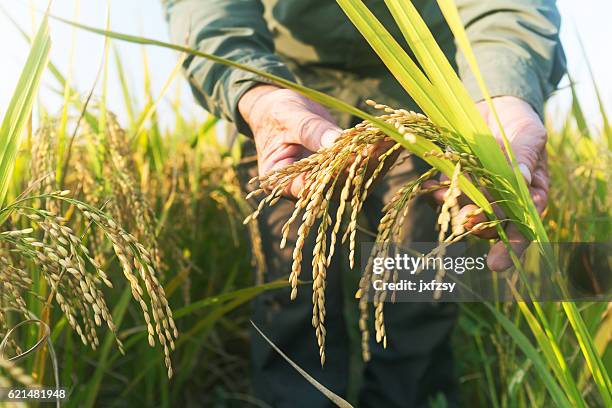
point(129, 256)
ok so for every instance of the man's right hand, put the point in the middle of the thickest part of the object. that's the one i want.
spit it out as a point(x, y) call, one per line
point(286, 127)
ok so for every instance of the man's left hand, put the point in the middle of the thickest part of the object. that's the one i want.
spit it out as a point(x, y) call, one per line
point(527, 137)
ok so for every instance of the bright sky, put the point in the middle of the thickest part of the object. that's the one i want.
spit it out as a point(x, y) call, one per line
point(144, 17)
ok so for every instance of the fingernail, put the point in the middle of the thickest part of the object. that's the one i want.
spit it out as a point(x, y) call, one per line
point(329, 137)
point(526, 172)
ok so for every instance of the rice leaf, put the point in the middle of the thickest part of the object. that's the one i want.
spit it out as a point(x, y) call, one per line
point(592, 357)
point(438, 69)
point(56, 73)
point(339, 401)
point(532, 353)
point(527, 215)
point(125, 90)
point(577, 110)
point(607, 128)
point(403, 68)
point(20, 106)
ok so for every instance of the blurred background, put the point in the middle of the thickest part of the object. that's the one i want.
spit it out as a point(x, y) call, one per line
point(588, 19)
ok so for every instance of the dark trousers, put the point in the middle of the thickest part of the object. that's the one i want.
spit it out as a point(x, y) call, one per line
point(415, 367)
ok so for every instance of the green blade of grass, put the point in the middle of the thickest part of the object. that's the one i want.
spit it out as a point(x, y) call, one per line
point(336, 399)
point(607, 129)
point(577, 110)
point(102, 116)
point(445, 91)
point(445, 88)
point(62, 139)
point(405, 70)
point(469, 122)
point(532, 219)
point(553, 355)
point(20, 106)
point(56, 73)
point(150, 141)
point(125, 90)
point(245, 293)
point(155, 143)
point(530, 223)
point(532, 353)
point(592, 357)
point(601, 340)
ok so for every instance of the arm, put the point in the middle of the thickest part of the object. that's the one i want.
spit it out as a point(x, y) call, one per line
point(232, 29)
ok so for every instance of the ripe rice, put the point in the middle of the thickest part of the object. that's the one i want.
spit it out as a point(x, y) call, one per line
point(349, 167)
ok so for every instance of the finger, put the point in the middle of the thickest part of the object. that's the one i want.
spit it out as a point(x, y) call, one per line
point(483, 108)
point(313, 131)
point(376, 151)
point(438, 192)
point(297, 185)
point(540, 185)
point(543, 181)
point(539, 190)
point(499, 259)
point(279, 156)
point(527, 136)
point(470, 216)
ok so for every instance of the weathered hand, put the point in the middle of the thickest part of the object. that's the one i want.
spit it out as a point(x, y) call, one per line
point(286, 127)
point(527, 136)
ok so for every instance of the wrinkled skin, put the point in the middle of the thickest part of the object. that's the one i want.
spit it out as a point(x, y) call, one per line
point(527, 136)
point(287, 127)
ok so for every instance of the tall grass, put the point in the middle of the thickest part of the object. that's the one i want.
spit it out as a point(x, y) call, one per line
point(178, 194)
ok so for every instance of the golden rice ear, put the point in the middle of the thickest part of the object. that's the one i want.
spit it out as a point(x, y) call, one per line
point(72, 266)
point(347, 167)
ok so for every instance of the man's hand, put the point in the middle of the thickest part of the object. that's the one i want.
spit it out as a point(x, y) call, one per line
point(286, 127)
point(527, 136)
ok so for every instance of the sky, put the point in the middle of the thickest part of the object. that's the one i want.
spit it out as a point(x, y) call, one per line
point(589, 18)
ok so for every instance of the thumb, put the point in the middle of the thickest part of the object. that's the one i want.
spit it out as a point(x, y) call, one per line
point(314, 132)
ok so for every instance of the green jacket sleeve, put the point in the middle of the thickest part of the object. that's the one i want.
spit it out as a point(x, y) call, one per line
point(517, 46)
point(232, 29)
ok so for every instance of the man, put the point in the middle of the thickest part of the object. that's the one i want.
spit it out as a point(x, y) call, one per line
point(312, 41)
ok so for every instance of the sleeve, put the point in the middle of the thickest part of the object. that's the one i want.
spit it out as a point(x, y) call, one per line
point(232, 29)
point(517, 47)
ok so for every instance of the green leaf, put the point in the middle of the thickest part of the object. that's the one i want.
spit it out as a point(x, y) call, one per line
point(577, 110)
point(340, 402)
point(539, 365)
point(20, 106)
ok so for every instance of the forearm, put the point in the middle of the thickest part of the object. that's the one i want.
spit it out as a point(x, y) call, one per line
point(517, 46)
point(232, 29)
